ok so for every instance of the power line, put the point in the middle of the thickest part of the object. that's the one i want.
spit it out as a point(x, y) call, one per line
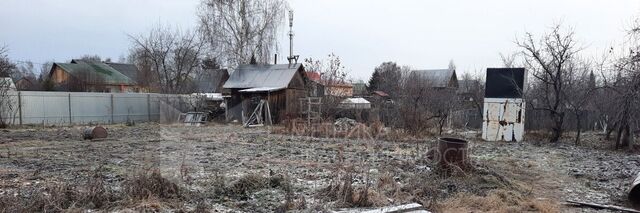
point(27, 62)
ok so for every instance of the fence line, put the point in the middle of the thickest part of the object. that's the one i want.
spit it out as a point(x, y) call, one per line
point(60, 108)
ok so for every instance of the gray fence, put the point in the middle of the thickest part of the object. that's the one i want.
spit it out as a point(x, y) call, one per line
point(59, 108)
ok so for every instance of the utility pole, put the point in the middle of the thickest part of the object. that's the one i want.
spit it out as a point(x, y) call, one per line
point(292, 58)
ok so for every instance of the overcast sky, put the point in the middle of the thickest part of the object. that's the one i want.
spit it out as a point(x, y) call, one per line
point(364, 33)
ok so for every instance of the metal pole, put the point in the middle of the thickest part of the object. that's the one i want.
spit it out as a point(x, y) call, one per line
point(149, 107)
point(20, 107)
point(112, 121)
point(70, 122)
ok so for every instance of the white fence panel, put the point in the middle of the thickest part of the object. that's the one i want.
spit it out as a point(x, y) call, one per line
point(44, 107)
point(57, 108)
point(89, 107)
point(130, 107)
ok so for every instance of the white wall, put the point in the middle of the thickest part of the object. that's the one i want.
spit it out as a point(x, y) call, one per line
point(503, 119)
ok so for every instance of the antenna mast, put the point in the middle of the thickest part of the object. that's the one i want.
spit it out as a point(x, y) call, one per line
point(291, 56)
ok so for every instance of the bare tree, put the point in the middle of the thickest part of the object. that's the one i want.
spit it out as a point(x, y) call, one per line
point(579, 89)
point(471, 91)
point(452, 65)
point(237, 30)
point(331, 69)
point(422, 104)
point(44, 78)
point(6, 66)
point(625, 90)
point(171, 57)
point(509, 60)
point(7, 102)
point(332, 75)
point(548, 61)
point(387, 77)
point(91, 58)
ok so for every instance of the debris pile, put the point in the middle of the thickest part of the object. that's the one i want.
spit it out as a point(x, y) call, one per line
point(343, 124)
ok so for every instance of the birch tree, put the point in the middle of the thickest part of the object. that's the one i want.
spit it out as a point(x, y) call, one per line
point(237, 30)
point(7, 103)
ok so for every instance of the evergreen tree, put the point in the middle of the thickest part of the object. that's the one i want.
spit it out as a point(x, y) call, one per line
point(374, 81)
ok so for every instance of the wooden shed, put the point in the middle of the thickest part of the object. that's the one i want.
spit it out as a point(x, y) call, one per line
point(280, 85)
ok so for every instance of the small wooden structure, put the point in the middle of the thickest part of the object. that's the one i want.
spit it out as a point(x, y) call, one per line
point(311, 109)
point(281, 85)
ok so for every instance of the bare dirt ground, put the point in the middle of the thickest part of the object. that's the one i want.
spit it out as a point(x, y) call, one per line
point(227, 168)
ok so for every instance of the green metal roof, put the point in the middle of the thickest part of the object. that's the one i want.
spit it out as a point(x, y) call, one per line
point(96, 72)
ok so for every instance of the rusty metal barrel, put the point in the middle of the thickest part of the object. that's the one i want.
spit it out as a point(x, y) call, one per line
point(634, 192)
point(452, 152)
point(96, 132)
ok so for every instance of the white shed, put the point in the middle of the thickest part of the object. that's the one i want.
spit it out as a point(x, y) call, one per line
point(504, 106)
point(355, 103)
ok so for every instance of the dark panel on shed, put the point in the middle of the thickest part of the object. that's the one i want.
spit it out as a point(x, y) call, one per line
point(504, 82)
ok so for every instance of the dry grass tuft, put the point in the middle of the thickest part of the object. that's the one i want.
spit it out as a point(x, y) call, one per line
point(57, 197)
point(340, 189)
point(150, 183)
point(246, 185)
point(495, 201)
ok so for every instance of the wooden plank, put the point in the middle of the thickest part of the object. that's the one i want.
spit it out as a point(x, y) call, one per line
point(601, 206)
point(406, 208)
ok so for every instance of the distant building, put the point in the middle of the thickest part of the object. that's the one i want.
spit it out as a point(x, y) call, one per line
point(355, 103)
point(314, 87)
point(360, 88)
point(26, 83)
point(90, 76)
point(342, 89)
point(436, 78)
point(322, 87)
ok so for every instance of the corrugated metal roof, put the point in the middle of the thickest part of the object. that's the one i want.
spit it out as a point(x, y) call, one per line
point(129, 70)
point(210, 96)
point(437, 77)
point(355, 101)
point(262, 89)
point(263, 75)
point(96, 71)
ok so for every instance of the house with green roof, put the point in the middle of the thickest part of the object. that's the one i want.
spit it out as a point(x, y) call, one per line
point(91, 76)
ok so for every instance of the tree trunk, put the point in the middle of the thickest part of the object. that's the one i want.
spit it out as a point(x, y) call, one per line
point(556, 129)
point(619, 136)
point(626, 137)
point(579, 128)
point(607, 135)
point(441, 123)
